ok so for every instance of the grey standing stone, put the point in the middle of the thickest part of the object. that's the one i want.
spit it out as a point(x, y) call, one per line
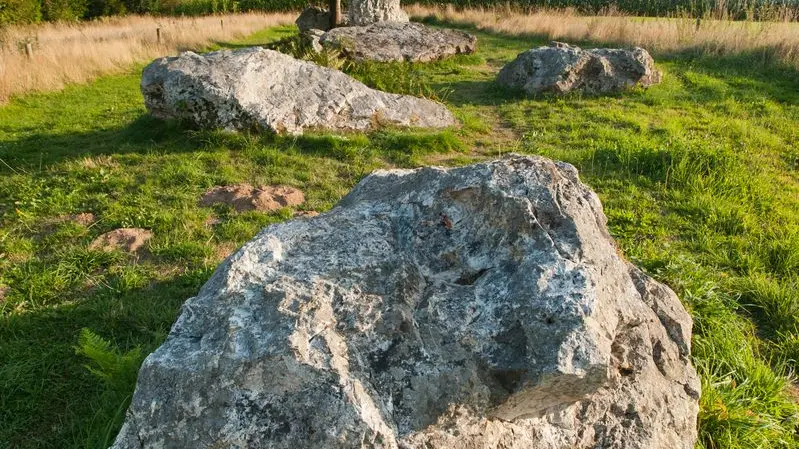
point(562, 68)
point(365, 12)
point(474, 307)
point(316, 18)
point(255, 88)
point(313, 18)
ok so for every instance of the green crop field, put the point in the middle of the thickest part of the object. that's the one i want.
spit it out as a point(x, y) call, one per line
point(699, 177)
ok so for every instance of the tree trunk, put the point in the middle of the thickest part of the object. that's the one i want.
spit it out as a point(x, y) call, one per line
point(335, 13)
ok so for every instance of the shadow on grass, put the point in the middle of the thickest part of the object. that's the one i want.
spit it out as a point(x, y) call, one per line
point(41, 149)
point(403, 147)
point(476, 92)
point(47, 396)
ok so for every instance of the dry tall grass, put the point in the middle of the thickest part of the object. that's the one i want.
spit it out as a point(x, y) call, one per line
point(78, 52)
point(772, 41)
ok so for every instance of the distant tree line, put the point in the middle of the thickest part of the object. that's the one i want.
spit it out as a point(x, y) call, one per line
point(32, 11)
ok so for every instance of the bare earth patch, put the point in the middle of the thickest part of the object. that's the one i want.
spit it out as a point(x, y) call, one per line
point(223, 250)
point(126, 239)
point(244, 197)
point(83, 219)
point(211, 221)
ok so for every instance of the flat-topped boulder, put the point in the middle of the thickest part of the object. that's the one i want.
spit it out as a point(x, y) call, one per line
point(474, 307)
point(255, 88)
point(393, 41)
point(561, 68)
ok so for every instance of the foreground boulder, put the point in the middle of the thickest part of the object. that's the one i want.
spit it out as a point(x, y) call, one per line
point(474, 307)
point(392, 41)
point(255, 88)
point(562, 68)
point(366, 12)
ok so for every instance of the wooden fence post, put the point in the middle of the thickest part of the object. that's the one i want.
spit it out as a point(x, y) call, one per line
point(221, 24)
point(335, 13)
point(158, 36)
point(28, 50)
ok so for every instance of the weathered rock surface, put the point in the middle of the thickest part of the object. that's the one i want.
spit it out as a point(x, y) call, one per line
point(393, 41)
point(244, 197)
point(264, 89)
point(312, 38)
point(124, 239)
point(470, 308)
point(365, 12)
point(562, 68)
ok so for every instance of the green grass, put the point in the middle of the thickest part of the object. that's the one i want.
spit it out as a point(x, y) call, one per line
point(699, 177)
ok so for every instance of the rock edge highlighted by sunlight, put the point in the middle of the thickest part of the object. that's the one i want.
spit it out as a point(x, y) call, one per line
point(255, 88)
point(483, 306)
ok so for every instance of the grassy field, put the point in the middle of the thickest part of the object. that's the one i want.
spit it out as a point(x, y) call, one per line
point(699, 177)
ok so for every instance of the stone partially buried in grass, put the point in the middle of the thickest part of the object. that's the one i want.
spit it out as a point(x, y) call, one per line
point(244, 197)
point(130, 240)
point(561, 68)
point(477, 307)
point(255, 88)
point(394, 41)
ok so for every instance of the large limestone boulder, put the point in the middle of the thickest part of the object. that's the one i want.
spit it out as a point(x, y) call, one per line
point(394, 41)
point(365, 12)
point(470, 308)
point(562, 68)
point(255, 88)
